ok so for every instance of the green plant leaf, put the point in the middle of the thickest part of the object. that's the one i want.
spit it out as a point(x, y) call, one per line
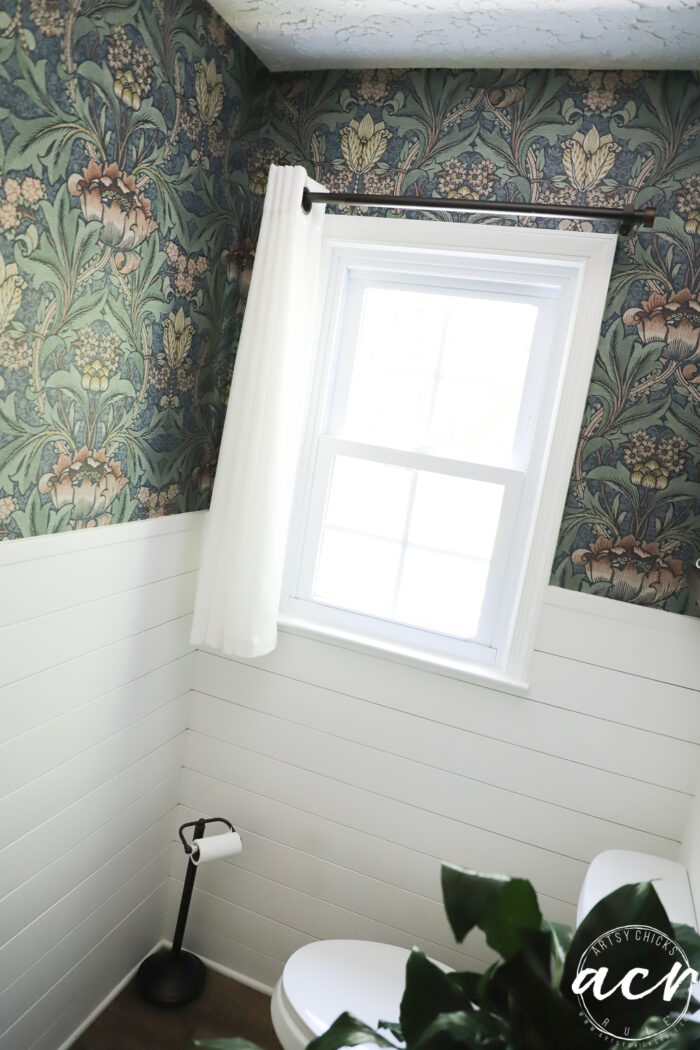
point(539, 1013)
point(467, 1029)
point(635, 904)
point(501, 907)
point(347, 1030)
point(561, 942)
point(685, 1037)
point(689, 940)
point(393, 1027)
point(429, 991)
point(226, 1044)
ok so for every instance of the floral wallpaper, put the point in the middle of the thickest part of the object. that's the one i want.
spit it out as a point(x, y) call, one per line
point(631, 525)
point(123, 131)
point(135, 138)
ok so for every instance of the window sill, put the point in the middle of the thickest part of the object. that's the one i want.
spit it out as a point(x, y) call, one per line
point(475, 674)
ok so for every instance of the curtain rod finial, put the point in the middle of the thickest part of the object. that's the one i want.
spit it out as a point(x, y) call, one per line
point(305, 201)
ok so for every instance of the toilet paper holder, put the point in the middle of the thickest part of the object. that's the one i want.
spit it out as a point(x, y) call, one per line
point(189, 847)
point(172, 976)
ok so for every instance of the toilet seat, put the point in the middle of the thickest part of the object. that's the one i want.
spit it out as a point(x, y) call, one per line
point(325, 978)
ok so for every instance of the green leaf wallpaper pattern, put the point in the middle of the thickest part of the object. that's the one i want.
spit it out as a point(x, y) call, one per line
point(135, 138)
point(124, 127)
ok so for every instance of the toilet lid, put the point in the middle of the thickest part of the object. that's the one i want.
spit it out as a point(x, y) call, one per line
point(325, 978)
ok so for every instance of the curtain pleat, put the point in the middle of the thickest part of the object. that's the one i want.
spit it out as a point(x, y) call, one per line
point(245, 534)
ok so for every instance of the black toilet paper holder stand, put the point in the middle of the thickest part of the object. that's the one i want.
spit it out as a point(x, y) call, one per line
point(171, 976)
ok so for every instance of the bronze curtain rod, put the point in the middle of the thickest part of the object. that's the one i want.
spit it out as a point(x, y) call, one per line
point(627, 217)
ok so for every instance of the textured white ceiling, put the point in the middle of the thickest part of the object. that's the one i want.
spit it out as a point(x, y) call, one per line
point(350, 34)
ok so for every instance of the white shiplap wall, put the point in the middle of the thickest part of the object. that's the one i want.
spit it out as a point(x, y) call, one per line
point(95, 671)
point(351, 777)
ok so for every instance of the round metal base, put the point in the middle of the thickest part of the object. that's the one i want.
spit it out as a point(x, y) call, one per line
point(171, 980)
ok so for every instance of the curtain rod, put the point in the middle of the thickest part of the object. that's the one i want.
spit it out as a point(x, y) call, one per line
point(627, 217)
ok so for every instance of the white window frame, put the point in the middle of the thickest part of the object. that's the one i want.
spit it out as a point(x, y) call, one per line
point(575, 268)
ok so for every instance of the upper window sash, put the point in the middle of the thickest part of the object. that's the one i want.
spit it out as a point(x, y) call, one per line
point(535, 396)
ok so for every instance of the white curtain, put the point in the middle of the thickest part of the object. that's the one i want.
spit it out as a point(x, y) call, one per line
point(246, 530)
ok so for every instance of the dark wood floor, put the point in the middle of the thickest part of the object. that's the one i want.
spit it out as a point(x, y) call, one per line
point(225, 1008)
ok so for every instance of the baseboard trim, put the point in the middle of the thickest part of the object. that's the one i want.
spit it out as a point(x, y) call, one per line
point(107, 1000)
point(234, 975)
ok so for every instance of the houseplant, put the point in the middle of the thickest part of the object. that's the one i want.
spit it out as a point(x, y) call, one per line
point(526, 1001)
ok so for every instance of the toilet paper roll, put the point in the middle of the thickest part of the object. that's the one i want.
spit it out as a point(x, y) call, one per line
point(215, 847)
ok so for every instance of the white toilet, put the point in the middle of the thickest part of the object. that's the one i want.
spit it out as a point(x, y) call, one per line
point(325, 978)
point(617, 867)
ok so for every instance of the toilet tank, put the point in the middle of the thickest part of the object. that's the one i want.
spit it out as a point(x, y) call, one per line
point(617, 867)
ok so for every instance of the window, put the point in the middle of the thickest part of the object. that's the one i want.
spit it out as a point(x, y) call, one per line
point(453, 365)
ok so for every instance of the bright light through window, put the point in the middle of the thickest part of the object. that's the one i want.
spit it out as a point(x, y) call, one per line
point(407, 545)
point(439, 373)
point(431, 373)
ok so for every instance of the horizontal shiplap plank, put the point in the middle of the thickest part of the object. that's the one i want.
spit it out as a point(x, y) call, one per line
point(20, 996)
point(354, 891)
point(579, 785)
point(59, 1012)
point(41, 697)
point(249, 962)
point(256, 931)
point(90, 772)
point(47, 585)
point(620, 749)
point(136, 811)
point(40, 845)
point(92, 626)
point(306, 765)
point(56, 742)
point(51, 926)
point(401, 845)
point(403, 866)
point(662, 708)
point(649, 643)
point(311, 915)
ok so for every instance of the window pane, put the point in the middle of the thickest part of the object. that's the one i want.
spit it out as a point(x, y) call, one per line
point(407, 545)
point(441, 373)
point(386, 407)
point(398, 329)
point(488, 340)
point(455, 514)
point(357, 572)
point(441, 592)
point(474, 421)
point(368, 497)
